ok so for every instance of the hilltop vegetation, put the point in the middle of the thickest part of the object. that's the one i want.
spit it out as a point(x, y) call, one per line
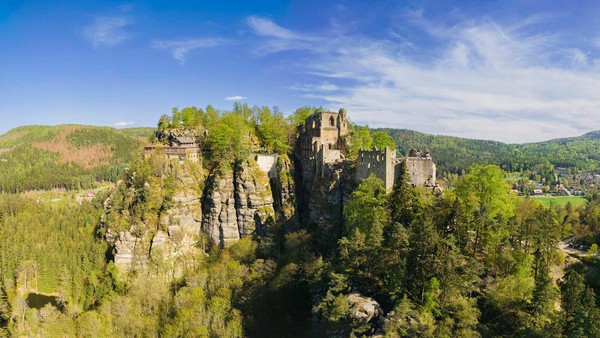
point(66, 156)
point(455, 154)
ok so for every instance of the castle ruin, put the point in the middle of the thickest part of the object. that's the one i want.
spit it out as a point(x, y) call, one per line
point(386, 166)
point(323, 142)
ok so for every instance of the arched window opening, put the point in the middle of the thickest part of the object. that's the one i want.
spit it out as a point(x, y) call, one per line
point(332, 121)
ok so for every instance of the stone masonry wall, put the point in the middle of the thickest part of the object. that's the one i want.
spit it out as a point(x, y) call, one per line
point(378, 162)
point(421, 170)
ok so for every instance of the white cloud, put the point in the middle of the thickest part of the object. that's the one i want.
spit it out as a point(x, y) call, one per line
point(235, 98)
point(483, 80)
point(107, 31)
point(325, 87)
point(123, 124)
point(266, 27)
point(180, 48)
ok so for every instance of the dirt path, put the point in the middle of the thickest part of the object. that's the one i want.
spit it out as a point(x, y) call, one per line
point(564, 247)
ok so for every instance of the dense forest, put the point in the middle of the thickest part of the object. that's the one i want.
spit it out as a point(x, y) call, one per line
point(475, 261)
point(67, 157)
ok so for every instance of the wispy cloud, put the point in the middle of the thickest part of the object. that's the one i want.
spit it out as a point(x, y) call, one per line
point(180, 48)
point(107, 31)
point(267, 27)
point(279, 38)
point(123, 124)
point(483, 79)
point(235, 98)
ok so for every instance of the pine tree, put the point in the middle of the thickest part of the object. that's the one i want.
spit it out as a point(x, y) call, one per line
point(404, 201)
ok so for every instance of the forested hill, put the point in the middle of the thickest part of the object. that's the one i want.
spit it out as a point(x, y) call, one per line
point(455, 154)
point(66, 156)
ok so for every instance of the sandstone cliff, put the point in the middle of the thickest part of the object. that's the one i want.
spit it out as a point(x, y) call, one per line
point(170, 216)
point(237, 203)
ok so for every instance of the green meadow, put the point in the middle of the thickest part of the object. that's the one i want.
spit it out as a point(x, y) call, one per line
point(561, 200)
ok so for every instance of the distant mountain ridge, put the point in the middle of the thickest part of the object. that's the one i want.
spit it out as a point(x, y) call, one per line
point(66, 156)
point(455, 154)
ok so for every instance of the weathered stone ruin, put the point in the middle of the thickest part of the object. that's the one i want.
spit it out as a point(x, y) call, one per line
point(385, 165)
point(323, 142)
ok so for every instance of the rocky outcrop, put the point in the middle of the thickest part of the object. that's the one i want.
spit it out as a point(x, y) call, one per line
point(185, 213)
point(327, 195)
point(130, 247)
point(284, 188)
point(219, 218)
point(225, 206)
point(125, 244)
point(363, 309)
point(237, 204)
point(167, 136)
point(175, 249)
point(254, 200)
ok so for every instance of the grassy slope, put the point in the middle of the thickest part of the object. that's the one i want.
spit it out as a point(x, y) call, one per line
point(561, 201)
point(65, 156)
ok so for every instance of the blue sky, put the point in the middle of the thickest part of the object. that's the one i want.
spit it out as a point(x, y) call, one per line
point(514, 71)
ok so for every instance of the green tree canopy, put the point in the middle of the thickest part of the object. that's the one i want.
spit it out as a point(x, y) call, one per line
point(382, 139)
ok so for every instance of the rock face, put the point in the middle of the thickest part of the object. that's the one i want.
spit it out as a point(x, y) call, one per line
point(125, 245)
point(364, 309)
point(219, 218)
point(168, 135)
point(237, 204)
point(186, 212)
point(284, 189)
point(254, 200)
point(226, 206)
point(325, 196)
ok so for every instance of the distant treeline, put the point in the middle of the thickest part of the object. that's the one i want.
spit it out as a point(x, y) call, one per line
point(455, 154)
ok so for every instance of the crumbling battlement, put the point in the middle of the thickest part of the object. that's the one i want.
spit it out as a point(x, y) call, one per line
point(384, 164)
point(323, 140)
point(421, 170)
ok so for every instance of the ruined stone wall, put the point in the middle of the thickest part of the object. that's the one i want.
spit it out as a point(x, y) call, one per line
point(328, 125)
point(378, 162)
point(322, 142)
point(324, 128)
point(421, 171)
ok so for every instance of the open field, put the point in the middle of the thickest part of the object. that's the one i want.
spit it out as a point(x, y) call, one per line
point(562, 200)
point(513, 177)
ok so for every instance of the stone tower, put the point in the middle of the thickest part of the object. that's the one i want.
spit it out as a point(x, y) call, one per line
point(323, 139)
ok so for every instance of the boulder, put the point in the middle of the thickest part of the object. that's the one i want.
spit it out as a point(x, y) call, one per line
point(364, 309)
